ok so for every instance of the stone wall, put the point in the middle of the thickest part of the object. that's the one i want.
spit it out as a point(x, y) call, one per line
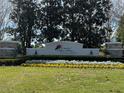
point(116, 53)
point(114, 45)
point(115, 49)
point(9, 49)
point(8, 52)
point(7, 44)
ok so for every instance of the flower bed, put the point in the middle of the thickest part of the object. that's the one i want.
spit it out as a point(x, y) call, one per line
point(111, 66)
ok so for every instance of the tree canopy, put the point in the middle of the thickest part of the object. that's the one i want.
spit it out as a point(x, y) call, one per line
point(81, 21)
point(25, 14)
point(120, 31)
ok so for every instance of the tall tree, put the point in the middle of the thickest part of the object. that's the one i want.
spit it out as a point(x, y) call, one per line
point(71, 19)
point(83, 21)
point(4, 12)
point(120, 34)
point(116, 14)
point(52, 19)
point(25, 14)
point(86, 20)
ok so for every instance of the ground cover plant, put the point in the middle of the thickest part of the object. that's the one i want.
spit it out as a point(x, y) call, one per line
point(68, 65)
point(60, 80)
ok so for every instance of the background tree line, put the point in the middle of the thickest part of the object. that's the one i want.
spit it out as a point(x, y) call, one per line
point(4, 13)
point(81, 21)
point(120, 31)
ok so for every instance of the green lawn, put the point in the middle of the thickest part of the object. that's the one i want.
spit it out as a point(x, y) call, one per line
point(60, 80)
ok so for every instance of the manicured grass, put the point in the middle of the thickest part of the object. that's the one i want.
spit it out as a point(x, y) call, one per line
point(60, 80)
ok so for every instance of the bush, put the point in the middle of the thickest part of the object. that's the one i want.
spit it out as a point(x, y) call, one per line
point(61, 57)
point(11, 62)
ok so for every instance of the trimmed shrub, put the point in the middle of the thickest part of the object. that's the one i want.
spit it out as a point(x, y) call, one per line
point(11, 62)
point(61, 57)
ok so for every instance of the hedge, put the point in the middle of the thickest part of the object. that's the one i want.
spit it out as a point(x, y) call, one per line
point(11, 62)
point(61, 57)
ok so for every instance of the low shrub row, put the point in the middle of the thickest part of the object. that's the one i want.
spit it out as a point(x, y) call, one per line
point(111, 66)
point(11, 62)
point(62, 57)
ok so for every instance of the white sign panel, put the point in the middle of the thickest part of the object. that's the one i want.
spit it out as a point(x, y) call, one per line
point(63, 48)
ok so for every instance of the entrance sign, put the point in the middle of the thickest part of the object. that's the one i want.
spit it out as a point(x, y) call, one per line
point(64, 48)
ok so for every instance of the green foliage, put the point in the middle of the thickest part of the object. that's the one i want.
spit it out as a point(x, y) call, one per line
point(120, 33)
point(74, 20)
point(62, 57)
point(11, 62)
point(81, 20)
point(25, 15)
point(85, 20)
point(52, 18)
